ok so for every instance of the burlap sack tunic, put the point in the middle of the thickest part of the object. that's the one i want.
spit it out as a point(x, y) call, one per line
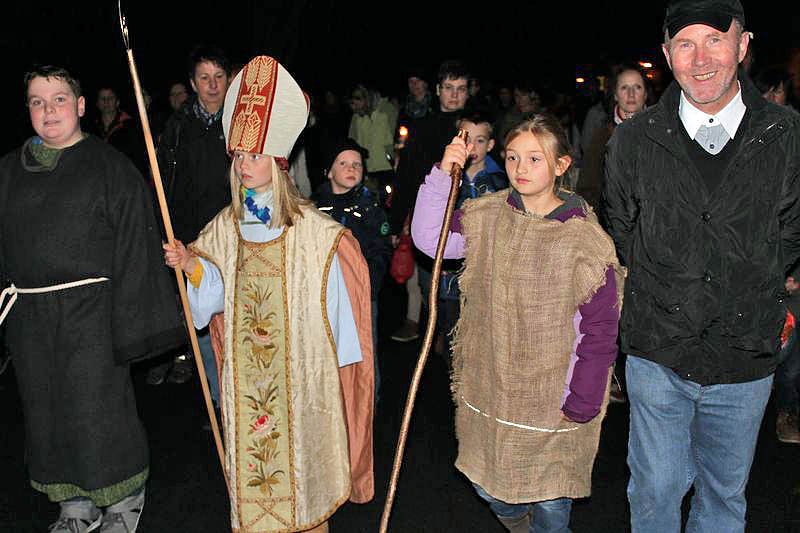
point(523, 281)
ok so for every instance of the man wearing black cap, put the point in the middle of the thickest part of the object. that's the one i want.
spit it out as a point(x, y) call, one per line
point(702, 202)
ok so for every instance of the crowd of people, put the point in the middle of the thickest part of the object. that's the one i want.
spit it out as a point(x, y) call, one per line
point(645, 251)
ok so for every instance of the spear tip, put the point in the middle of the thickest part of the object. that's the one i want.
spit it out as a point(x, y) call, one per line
point(123, 26)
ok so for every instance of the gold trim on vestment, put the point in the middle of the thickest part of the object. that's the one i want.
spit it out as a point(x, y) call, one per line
point(324, 296)
point(289, 411)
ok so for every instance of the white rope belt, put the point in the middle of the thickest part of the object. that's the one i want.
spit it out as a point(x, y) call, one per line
point(514, 424)
point(11, 292)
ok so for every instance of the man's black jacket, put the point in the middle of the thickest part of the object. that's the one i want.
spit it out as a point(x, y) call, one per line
point(706, 267)
point(427, 139)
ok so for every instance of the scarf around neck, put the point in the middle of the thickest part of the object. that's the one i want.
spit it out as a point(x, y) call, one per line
point(258, 204)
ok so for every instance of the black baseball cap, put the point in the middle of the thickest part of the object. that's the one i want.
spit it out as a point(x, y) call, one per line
point(715, 13)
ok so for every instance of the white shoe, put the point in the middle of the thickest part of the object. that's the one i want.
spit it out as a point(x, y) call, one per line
point(77, 516)
point(123, 517)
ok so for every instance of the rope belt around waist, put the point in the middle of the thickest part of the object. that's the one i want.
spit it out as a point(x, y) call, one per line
point(11, 292)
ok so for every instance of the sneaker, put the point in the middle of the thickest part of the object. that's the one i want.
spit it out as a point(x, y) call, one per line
point(77, 516)
point(408, 332)
point(74, 525)
point(157, 374)
point(123, 517)
point(516, 525)
point(181, 369)
point(787, 429)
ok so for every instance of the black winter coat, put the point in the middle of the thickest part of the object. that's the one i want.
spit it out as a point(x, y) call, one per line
point(706, 267)
point(427, 139)
point(195, 166)
point(358, 210)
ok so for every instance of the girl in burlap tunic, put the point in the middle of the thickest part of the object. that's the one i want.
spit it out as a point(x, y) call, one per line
point(541, 297)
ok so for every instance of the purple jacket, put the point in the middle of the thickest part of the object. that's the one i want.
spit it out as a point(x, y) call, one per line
point(596, 322)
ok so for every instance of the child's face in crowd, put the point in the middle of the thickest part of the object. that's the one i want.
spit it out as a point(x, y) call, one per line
point(480, 138)
point(346, 172)
point(254, 171)
point(55, 111)
point(528, 169)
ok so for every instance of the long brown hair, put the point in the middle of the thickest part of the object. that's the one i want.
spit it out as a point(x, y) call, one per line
point(551, 135)
point(287, 199)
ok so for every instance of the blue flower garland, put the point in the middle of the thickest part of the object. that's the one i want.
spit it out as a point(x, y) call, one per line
point(261, 213)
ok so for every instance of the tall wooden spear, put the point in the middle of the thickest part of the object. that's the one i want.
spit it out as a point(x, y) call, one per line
point(433, 306)
point(162, 202)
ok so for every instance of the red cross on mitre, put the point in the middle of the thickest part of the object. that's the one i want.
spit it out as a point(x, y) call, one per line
point(251, 118)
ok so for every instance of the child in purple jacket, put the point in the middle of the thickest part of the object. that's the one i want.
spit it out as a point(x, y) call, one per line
point(541, 297)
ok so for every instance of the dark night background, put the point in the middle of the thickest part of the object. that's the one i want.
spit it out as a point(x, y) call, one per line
point(328, 44)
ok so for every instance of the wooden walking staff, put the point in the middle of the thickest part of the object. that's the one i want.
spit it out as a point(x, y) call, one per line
point(162, 202)
point(455, 176)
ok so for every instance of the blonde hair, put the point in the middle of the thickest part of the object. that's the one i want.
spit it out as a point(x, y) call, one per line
point(551, 135)
point(287, 199)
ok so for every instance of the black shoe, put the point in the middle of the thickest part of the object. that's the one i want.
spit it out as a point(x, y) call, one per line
point(181, 369)
point(408, 332)
point(157, 374)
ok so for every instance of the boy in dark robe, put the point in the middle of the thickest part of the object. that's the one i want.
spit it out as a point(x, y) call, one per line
point(80, 256)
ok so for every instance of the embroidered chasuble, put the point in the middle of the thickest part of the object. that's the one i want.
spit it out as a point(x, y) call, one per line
point(286, 439)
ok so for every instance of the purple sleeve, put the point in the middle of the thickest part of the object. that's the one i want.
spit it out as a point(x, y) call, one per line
point(596, 326)
point(426, 224)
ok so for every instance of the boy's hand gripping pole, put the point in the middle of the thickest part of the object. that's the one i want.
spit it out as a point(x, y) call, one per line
point(455, 175)
point(162, 202)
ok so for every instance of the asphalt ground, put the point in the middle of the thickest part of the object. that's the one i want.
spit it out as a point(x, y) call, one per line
point(186, 490)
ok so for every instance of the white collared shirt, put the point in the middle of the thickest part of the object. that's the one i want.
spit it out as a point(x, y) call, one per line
point(730, 117)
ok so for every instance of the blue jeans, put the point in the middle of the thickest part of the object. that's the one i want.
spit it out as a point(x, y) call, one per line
point(684, 434)
point(787, 378)
point(551, 516)
point(210, 365)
